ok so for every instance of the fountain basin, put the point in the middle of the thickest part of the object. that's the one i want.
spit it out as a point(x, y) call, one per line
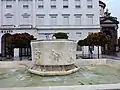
point(94, 74)
point(53, 52)
point(53, 73)
point(53, 57)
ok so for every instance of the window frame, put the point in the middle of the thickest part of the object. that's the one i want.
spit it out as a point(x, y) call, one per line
point(8, 6)
point(40, 6)
point(53, 6)
point(25, 6)
point(90, 16)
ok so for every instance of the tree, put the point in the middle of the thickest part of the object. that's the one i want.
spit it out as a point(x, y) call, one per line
point(95, 39)
point(60, 35)
point(21, 40)
point(98, 39)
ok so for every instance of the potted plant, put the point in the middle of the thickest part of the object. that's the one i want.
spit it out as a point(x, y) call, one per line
point(60, 35)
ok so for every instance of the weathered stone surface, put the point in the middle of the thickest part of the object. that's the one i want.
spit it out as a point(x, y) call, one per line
point(59, 55)
point(74, 87)
point(54, 52)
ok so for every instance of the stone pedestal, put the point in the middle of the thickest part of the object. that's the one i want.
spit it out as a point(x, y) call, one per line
point(55, 57)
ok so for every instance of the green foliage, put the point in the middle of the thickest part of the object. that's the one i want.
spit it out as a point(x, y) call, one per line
point(60, 35)
point(21, 40)
point(95, 39)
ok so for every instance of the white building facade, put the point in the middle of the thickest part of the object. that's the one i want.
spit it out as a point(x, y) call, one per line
point(43, 18)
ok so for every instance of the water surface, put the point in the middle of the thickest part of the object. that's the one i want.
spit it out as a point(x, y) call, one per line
point(86, 76)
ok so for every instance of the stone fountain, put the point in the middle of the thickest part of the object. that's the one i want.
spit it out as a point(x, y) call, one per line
point(53, 57)
point(57, 57)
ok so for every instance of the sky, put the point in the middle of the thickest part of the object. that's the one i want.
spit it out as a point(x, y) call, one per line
point(114, 8)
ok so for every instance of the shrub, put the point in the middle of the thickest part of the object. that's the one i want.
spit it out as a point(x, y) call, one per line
point(60, 35)
point(95, 39)
point(21, 40)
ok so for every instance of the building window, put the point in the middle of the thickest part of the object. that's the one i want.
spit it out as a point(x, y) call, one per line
point(77, 19)
point(26, 18)
point(24, 0)
point(89, 0)
point(9, 19)
point(65, 6)
point(65, 19)
point(65, 3)
point(89, 19)
point(77, 3)
point(77, 6)
point(89, 4)
point(40, 6)
point(53, 1)
point(53, 6)
point(79, 34)
point(40, 19)
point(53, 19)
point(65, 0)
point(25, 6)
point(8, 6)
point(41, 1)
point(7, 0)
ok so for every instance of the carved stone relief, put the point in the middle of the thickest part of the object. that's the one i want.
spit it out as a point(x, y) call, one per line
point(37, 55)
point(56, 56)
point(71, 58)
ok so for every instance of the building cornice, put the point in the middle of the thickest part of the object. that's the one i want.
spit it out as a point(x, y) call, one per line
point(110, 18)
point(102, 4)
point(62, 27)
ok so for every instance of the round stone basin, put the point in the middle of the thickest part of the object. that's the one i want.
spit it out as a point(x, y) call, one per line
point(53, 57)
point(92, 72)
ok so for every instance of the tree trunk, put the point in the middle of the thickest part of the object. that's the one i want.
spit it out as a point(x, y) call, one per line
point(98, 52)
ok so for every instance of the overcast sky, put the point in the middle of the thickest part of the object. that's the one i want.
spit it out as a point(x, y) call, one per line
point(114, 8)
